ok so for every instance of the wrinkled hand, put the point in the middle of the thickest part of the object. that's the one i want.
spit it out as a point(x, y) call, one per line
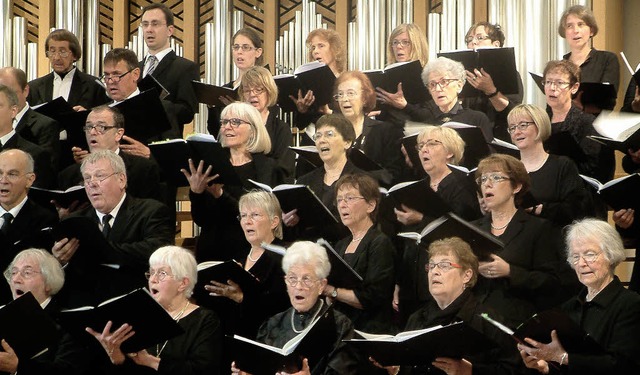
point(230, 290)
point(64, 249)
point(534, 363)
point(73, 207)
point(407, 159)
point(79, 154)
point(303, 103)
point(551, 352)
point(624, 217)
point(391, 370)
point(235, 370)
point(453, 366)
point(111, 341)
point(8, 358)
point(134, 147)
point(143, 358)
point(199, 181)
point(481, 80)
point(79, 108)
point(634, 154)
point(495, 269)
point(304, 371)
point(408, 216)
point(396, 100)
point(291, 218)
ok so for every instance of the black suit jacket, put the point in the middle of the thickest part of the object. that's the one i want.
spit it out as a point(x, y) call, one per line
point(42, 160)
point(175, 73)
point(143, 177)
point(85, 91)
point(41, 130)
point(140, 228)
point(25, 231)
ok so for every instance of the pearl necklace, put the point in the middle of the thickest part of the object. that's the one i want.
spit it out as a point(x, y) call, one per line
point(293, 312)
point(177, 319)
point(250, 258)
point(504, 226)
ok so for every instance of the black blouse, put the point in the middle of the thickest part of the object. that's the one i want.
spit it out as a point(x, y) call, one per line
point(600, 66)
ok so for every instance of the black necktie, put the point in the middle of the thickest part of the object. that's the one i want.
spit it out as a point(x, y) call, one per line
point(8, 217)
point(106, 227)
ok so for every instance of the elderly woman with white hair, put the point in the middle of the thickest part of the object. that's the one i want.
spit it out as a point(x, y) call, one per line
point(605, 309)
point(172, 275)
point(38, 272)
point(214, 206)
point(306, 266)
point(444, 79)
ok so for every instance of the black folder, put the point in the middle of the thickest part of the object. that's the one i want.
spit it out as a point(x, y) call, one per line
point(500, 63)
point(618, 130)
point(92, 242)
point(210, 94)
point(311, 210)
point(63, 198)
point(419, 196)
point(174, 154)
point(150, 82)
point(563, 143)
point(407, 73)
point(341, 275)
point(73, 123)
point(314, 76)
point(221, 272)
point(482, 243)
point(619, 193)
point(362, 161)
point(144, 116)
point(309, 154)
point(26, 327)
point(151, 323)
point(54, 108)
point(421, 347)
point(261, 359)
point(598, 94)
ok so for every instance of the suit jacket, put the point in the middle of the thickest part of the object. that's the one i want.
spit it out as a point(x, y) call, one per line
point(25, 231)
point(85, 91)
point(175, 73)
point(140, 228)
point(43, 131)
point(143, 177)
point(381, 142)
point(42, 160)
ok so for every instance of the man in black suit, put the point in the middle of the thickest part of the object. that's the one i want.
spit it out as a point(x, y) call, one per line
point(173, 72)
point(21, 219)
point(31, 125)
point(9, 139)
point(104, 129)
point(80, 90)
point(133, 229)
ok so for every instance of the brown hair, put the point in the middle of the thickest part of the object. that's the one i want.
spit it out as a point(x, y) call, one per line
point(512, 167)
point(335, 44)
point(368, 93)
point(459, 249)
point(493, 31)
point(366, 186)
point(582, 13)
point(563, 66)
point(258, 76)
point(342, 125)
point(168, 15)
point(62, 35)
point(254, 37)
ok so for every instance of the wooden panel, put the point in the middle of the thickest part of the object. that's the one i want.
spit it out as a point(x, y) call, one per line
point(106, 20)
point(28, 9)
point(176, 7)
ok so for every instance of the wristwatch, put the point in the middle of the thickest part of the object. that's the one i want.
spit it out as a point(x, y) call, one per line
point(334, 294)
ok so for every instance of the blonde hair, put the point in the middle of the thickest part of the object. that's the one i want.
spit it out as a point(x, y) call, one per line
point(450, 139)
point(419, 43)
point(259, 141)
point(268, 203)
point(258, 76)
point(335, 44)
point(538, 115)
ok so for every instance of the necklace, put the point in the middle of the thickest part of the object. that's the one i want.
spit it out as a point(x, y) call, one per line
point(293, 326)
point(177, 319)
point(250, 258)
point(540, 164)
point(504, 226)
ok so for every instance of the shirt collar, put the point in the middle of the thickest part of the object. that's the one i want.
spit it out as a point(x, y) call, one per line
point(15, 210)
point(113, 212)
point(20, 114)
point(5, 138)
point(68, 76)
point(160, 55)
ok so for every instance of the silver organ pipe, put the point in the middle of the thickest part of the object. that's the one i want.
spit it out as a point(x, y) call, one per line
point(5, 29)
point(69, 15)
point(91, 50)
point(19, 43)
point(32, 61)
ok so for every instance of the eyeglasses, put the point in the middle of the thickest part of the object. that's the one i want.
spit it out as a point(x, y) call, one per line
point(255, 91)
point(561, 85)
point(348, 199)
point(26, 272)
point(442, 83)
point(98, 179)
point(101, 129)
point(328, 134)
point(346, 95)
point(589, 257)
point(442, 266)
point(235, 122)
point(493, 177)
point(12, 176)
point(243, 47)
point(160, 275)
point(522, 126)
point(153, 24)
point(253, 216)
point(403, 42)
point(64, 54)
point(430, 144)
point(478, 38)
point(114, 78)
point(306, 281)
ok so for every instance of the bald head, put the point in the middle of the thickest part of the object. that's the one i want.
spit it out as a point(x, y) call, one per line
point(16, 177)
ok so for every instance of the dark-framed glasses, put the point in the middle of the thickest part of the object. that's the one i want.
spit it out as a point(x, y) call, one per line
point(114, 78)
point(561, 85)
point(235, 122)
point(444, 82)
point(254, 90)
point(443, 266)
point(101, 129)
point(243, 47)
point(478, 38)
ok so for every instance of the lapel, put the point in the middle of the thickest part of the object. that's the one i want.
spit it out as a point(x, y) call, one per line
point(516, 226)
point(11, 143)
point(46, 90)
point(77, 87)
point(26, 121)
point(361, 252)
point(164, 64)
point(122, 221)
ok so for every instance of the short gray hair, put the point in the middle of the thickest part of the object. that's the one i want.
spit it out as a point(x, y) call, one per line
point(444, 65)
point(182, 264)
point(114, 159)
point(267, 202)
point(50, 268)
point(601, 232)
point(307, 253)
point(259, 140)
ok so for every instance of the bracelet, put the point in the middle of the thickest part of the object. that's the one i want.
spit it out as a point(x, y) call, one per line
point(493, 94)
point(564, 356)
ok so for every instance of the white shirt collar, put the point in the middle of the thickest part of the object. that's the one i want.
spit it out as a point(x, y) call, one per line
point(20, 114)
point(137, 92)
point(16, 210)
point(113, 212)
point(7, 137)
point(160, 55)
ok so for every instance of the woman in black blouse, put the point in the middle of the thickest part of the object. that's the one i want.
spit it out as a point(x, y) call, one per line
point(559, 193)
point(260, 218)
point(214, 207)
point(528, 274)
point(605, 309)
point(578, 26)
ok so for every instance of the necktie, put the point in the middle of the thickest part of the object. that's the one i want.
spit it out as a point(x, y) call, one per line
point(106, 227)
point(152, 63)
point(8, 217)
